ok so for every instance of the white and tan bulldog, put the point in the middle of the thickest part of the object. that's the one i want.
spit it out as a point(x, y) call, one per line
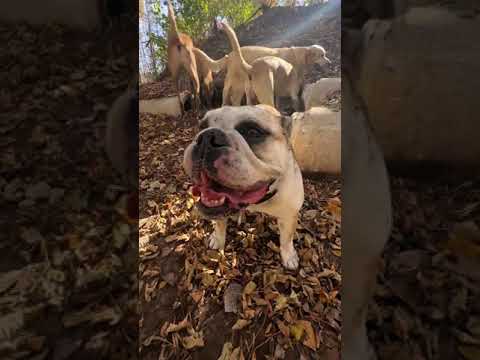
point(366, 222)
point(242, 159)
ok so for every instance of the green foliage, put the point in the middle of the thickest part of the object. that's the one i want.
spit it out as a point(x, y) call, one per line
point(196, 17)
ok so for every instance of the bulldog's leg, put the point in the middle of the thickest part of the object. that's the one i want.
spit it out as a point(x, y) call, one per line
point(358, 288)
point(217, 238)
point(287, 227)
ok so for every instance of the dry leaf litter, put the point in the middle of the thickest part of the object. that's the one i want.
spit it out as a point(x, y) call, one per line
point(68, 259)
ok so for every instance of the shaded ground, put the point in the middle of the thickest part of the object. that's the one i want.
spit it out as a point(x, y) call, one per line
point(319, 24)
point(426, 306)
point(185, 287)
point(66, 256)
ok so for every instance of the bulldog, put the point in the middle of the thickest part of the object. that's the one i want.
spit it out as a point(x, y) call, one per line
point(242, 159)
point(366, 220)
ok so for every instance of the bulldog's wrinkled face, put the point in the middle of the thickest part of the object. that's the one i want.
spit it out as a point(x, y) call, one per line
point(236, 157)
point(317, 55)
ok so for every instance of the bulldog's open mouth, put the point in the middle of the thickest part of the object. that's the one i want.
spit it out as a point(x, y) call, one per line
point(217, 198)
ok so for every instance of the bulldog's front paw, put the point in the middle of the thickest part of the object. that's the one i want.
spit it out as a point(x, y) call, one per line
point(289, 259)
point(215, 243)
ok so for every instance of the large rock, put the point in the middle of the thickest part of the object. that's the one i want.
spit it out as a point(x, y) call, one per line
point(316, 141)
point(317, 93)
point(418, 75)
point(164, 106)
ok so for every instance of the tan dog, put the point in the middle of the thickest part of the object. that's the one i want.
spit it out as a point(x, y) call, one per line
point(269, 76)
point(242, 159)
point(206, 68)
point(298, 57)
point(180, 55)
point(315, 94)
point(366, 222)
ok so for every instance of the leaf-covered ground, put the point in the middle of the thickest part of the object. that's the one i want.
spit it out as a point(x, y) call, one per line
point(67, 256)
point(198, 302)
point(427, 304)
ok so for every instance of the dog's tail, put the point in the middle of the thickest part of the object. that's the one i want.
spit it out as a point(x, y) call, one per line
point(214, 65)
point(232, 37)
point(173, 29)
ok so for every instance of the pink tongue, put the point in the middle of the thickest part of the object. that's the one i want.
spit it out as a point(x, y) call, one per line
point(235, 197)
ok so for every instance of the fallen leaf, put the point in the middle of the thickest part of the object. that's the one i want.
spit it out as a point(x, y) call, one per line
point(310, 341)
point(226, 351)
point(240, 324)
point(176, 237)
point(465, 240)
point(279, 352)
point(335, 209)
point(296, 330)
point(310, 214)
point(10, 324)
point(193, 341)
point(470, 352)
point(177, 327)
point(229, 353)
point(281, 303)
point(284, 329)
point(249, 288)
point(272, 246)
point(121, 234)
point(208, 280)
point(197, 295)
point(337, 252)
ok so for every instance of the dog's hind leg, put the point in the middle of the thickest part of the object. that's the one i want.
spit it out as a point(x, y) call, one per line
point(217, 238)
point(237, 95)
point(226, 93)
point(265, 89)
point(191, 68)
point(177, 88)
point(249, 93)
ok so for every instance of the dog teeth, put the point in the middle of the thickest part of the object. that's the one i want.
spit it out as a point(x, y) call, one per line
point(212, 203)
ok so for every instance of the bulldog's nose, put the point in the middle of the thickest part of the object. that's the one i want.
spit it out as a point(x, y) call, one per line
point(212, 138)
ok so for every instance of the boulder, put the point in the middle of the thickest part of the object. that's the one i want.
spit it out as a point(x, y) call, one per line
point(164, 106)
point(422, 95)
point(316, 141)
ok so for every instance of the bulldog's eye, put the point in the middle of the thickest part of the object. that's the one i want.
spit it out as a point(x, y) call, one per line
point(251, 132)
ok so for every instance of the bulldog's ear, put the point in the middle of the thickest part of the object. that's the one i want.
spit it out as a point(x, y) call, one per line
point(287, 125)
